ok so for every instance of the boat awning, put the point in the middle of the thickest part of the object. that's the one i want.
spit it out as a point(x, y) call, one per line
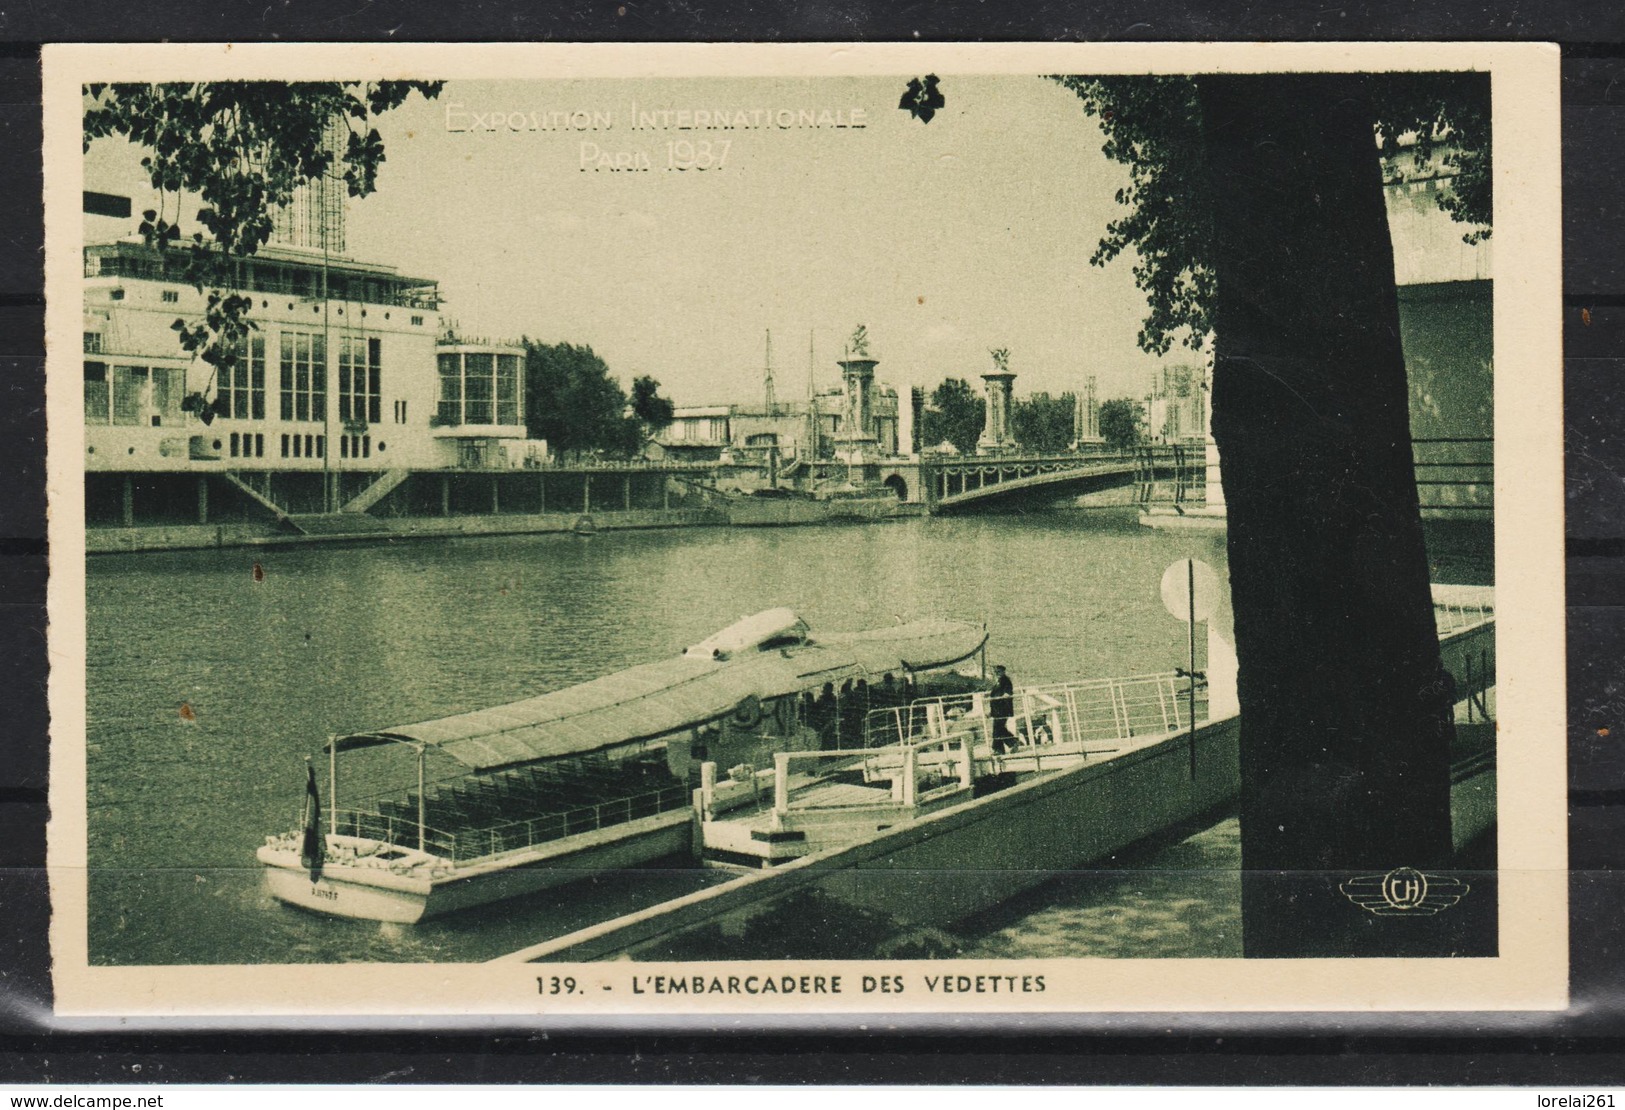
point(665, 697)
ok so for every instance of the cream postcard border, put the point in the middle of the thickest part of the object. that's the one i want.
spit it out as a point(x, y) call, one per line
point(1531, 972)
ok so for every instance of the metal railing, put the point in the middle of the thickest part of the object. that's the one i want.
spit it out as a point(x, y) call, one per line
point(1093, 712)
point(462, 845)
point(903, 765)
point(516, 835)
point(393, 830)
point(1456, 473)
point(1455, 613)
point(1452, 615)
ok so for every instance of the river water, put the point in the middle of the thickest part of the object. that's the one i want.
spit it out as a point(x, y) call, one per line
point(209, 684)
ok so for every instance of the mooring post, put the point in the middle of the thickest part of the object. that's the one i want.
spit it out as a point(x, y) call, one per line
point(422, 804)
point(781, 783)
point(708, 788)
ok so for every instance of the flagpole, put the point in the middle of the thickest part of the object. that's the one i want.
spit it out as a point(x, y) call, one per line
point(332, 785)
point(1190, 583)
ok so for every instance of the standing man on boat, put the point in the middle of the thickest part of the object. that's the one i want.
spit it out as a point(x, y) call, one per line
point(827, 708)
point(1001, 707)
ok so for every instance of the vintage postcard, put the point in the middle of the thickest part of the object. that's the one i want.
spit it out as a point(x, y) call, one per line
point(564, 531)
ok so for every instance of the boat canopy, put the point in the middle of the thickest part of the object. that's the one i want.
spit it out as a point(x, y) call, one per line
point(660, 698)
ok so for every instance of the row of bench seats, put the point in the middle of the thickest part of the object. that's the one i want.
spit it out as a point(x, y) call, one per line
point(471, 807)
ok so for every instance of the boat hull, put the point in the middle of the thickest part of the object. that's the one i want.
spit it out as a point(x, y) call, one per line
point(374, 894)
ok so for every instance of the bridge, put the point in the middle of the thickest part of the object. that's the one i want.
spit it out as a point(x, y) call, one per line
point(950, 485)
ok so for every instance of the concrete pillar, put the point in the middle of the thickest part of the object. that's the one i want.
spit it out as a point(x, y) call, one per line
point(1086, 415)
point(445, 495)
point(129, 502)
point(996, 431)
point(910, 401)
point(665, 492)
point(496, 502)
point(626, 492)
point(586, 493)
point(541, 493)
point(202, 499)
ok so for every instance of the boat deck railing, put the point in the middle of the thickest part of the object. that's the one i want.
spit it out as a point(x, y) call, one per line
point(472, 844)
point(478, 816)
point(387, 829)
point(916, 771)
point(1456, 612)
point(1095, 712)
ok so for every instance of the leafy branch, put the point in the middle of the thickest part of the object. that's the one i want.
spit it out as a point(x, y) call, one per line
point(1152, 125)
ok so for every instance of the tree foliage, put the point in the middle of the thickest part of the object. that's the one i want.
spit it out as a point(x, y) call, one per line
point(955, 414)
point(241, 147)
point(1122, 422)
point(573, 402)
point(1042, 422)
point(652, 410)
point(1153, 126)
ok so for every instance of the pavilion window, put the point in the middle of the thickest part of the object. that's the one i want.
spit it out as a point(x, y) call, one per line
point(304, 376)
point(168, 387)
point(360, 377)
point(451, 389)
point(508, 389)
point(242, 388)
point(478, 371)
point(97, 399)
point(130, 385)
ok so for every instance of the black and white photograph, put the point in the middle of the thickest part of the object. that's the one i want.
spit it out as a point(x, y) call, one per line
point(630, 530)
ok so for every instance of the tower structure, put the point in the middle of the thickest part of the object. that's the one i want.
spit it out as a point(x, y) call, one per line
point(314, 217)
point(1086, 414)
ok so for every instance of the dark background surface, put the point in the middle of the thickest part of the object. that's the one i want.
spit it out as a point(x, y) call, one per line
point(1584, 1046)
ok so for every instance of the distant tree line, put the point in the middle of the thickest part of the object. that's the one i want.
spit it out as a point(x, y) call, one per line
point(1043, 423)
point(953, 414)
point(1122, 422)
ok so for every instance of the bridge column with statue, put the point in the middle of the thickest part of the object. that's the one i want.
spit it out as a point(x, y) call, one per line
point(1000, 382)
point(856, 443)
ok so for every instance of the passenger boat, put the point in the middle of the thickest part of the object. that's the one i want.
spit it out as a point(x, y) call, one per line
point(446, 814)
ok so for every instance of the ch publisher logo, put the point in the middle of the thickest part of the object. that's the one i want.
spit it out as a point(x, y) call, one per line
point(1404, 892)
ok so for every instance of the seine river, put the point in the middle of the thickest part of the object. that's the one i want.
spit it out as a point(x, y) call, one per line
point(210, 683)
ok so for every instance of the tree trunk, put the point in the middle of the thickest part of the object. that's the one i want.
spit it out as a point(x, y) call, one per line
point(1346, 727)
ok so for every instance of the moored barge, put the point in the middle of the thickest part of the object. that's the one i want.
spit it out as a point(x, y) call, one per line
point(446, 814)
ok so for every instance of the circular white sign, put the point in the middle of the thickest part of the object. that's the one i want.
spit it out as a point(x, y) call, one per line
point(1187, 581)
